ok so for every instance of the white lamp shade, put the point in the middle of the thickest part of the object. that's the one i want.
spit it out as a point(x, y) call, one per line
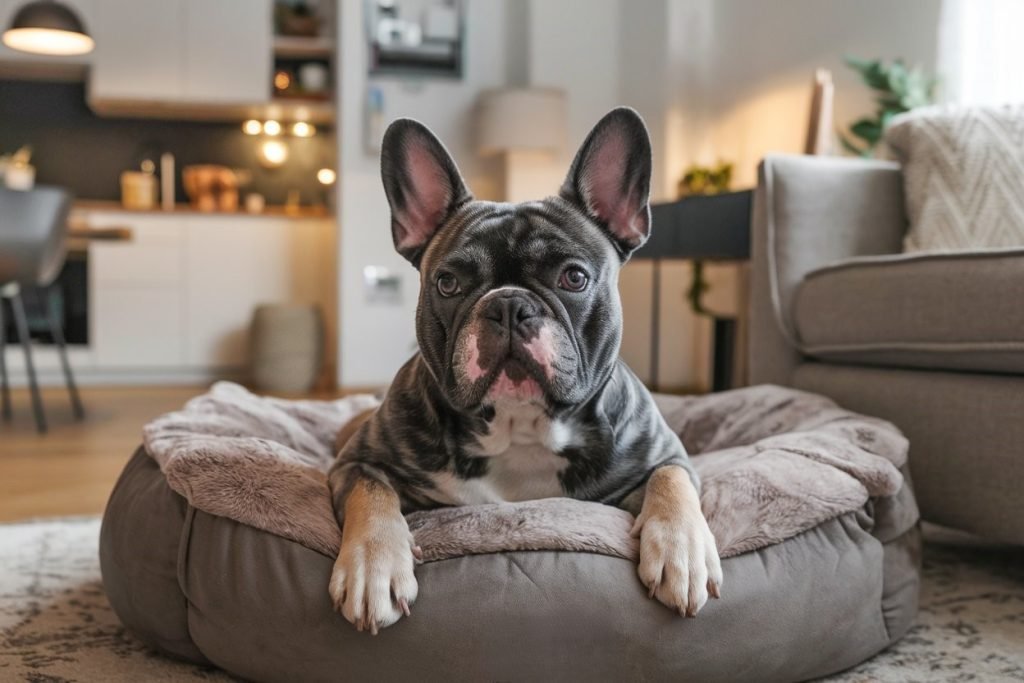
point(521, 119)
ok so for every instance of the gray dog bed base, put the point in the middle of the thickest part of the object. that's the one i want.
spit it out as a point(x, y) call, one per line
point(211, 589)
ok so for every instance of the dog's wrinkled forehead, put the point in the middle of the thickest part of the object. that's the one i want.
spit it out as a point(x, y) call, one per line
point(507, 242)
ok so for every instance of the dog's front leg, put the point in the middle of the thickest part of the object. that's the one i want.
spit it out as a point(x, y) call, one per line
point(679, 561)
point(373, 582)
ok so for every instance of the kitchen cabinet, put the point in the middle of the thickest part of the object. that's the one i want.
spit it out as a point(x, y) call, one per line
point(86, 10)
point(139, 53)
point(152, 258)
point(232, 267)
point(176, 301)
point(137, 327)
point(184, 52)
point(135, 295)
point(228, 51)
point(173, 304)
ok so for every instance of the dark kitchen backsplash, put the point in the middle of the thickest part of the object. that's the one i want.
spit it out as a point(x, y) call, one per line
point(75, 148)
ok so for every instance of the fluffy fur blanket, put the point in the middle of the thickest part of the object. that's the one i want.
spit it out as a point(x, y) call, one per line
point(774, 462)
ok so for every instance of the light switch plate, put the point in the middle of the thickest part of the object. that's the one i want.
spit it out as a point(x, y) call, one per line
point(382, 285)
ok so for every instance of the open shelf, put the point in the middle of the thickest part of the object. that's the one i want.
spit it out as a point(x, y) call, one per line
point(294, 47)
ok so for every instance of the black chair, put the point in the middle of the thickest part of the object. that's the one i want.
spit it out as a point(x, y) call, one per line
point(33, 244)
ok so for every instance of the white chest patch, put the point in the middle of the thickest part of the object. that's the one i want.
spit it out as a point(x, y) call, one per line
point(523, 464)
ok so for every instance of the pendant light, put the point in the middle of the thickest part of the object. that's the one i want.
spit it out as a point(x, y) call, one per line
point(46, 27)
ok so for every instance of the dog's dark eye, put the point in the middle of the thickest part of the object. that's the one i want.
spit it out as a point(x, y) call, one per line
point(448, 284)
point(574, 279)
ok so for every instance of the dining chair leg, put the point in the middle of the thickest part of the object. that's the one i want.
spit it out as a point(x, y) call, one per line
point(5, 387)
point(21, 323)
point(57, 332)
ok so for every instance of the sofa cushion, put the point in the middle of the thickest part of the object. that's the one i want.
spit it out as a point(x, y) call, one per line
point(951, 311)
point(963, 170)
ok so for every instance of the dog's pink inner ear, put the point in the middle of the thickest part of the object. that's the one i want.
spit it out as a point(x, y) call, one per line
point(427, 198)
point(613, 196)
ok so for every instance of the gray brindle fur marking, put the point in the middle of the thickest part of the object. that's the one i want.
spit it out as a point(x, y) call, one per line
point(517, 392)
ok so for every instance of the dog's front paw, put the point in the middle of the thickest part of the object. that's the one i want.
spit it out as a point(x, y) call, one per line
point(679, 561)
point(373, 582)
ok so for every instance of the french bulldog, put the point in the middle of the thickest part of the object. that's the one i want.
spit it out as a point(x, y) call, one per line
point(517, 392)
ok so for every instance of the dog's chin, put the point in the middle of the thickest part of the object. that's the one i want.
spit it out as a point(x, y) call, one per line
point(514, 388)
point(510, 382)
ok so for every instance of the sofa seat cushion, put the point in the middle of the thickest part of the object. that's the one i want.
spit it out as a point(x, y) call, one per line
point(950, 311)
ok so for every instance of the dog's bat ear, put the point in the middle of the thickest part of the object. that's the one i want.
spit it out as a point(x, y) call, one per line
point(422, 183)
point(610, 178)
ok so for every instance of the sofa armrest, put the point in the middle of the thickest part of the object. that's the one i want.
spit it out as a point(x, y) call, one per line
point(810, 212)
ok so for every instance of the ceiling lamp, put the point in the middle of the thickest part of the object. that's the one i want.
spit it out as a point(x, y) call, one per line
point(46, 27)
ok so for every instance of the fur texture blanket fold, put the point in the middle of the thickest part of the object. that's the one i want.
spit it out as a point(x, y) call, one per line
point(774, 462)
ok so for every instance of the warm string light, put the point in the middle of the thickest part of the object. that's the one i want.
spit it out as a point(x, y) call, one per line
point(282, 80)
point(274, 152)
point(301, 129)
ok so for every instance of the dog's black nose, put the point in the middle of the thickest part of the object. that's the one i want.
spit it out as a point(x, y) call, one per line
point(510, 311)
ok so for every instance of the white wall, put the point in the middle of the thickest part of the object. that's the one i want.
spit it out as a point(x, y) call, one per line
point(753, 80)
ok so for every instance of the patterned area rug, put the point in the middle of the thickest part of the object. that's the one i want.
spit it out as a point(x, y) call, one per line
point(56, 625)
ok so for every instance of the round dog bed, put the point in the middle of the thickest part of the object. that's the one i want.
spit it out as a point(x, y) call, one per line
point(218, 543)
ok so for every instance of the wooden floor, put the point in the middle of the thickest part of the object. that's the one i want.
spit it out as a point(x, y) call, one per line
point(71, 469)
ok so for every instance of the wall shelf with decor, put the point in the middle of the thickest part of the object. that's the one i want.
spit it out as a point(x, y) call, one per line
point(303, 54)
point(299, 47)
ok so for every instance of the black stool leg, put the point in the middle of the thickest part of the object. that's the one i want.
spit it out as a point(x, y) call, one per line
point(21, 322)
point(57, 332)
point(5, 388)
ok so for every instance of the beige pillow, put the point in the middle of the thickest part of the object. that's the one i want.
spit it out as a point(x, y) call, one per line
point(963, 175)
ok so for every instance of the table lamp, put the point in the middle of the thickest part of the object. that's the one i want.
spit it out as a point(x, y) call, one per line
point(527, 126)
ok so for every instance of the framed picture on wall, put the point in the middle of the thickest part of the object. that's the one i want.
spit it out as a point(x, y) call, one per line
point(421, 38)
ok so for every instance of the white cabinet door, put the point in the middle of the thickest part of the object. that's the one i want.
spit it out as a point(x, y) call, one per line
point(153, 256)
point(136, 293)
point(228, 51)
point(86, 11)
point(139, 52)
point(137, 327)
point(231, 267)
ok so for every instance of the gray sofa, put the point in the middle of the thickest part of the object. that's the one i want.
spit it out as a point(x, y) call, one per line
point(931, 342)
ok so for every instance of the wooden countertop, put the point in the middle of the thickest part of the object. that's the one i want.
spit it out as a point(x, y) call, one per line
point(277, 211)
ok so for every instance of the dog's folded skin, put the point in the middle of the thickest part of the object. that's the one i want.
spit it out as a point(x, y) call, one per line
point(517, 392)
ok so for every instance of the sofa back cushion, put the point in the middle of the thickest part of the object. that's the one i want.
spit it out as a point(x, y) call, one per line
point(963, 174)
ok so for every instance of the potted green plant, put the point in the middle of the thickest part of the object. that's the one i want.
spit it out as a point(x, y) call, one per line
point(898, 88)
